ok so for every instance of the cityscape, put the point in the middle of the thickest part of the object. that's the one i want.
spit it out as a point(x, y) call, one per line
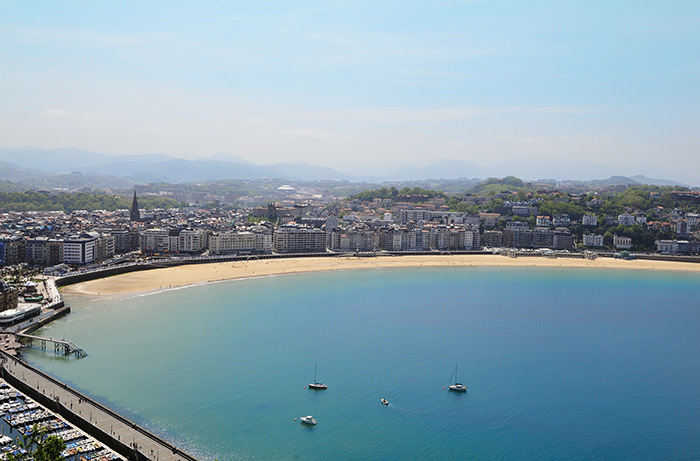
point(644, 219)
point(458, 229)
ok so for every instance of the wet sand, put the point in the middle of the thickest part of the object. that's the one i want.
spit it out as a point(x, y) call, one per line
point(158, 279)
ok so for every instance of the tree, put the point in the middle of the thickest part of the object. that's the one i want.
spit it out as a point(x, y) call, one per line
point(38, 447)
point(608, 239)
point(50, 449)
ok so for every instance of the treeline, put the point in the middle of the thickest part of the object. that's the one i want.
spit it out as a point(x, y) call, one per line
point(38, 201)
point(392, 192)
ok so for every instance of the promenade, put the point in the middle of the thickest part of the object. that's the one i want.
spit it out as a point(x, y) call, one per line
point(120, 434)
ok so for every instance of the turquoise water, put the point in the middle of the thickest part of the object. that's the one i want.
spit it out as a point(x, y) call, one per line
point(560, 364)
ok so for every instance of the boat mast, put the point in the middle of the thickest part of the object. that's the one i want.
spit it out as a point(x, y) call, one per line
point(315, 367)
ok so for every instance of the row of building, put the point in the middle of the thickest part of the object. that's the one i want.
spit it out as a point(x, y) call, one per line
point(50, 241)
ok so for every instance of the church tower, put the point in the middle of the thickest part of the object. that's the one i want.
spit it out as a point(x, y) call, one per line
point(135, 213)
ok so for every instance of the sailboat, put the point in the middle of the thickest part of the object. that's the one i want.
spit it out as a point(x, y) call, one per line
point(457, 387)
point(316, 384)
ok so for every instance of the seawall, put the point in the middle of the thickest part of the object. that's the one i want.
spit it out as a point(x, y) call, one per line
point(117, 432)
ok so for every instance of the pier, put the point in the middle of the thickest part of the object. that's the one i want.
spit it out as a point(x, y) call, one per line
point(60, 346)
point(115, 431)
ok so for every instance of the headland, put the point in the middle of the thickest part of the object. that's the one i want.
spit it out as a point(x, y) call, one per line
point(193, 274)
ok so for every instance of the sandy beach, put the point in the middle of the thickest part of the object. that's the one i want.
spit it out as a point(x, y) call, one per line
point(158, 279)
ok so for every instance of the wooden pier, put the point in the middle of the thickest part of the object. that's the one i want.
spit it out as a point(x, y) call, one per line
point(60, 346)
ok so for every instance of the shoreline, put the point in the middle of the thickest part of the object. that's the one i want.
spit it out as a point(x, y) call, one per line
point(195, 274)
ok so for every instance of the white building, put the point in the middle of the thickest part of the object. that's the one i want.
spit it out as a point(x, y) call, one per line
point(471, 239)
point(155, 241)
point(472, 220)
point(589, 220)
point(591, 240)
point(623, 243)
point(522, 210)
point(544, 221)
point(299, 239)
point(626, 219)
point(240, 242)
point(561, 220)
point(192, 241)
point(668, 247)
point(489, 219)
point(79, 250)
point(682, 227)
point(363, 239)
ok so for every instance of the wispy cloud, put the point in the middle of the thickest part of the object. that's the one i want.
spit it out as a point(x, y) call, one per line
point(54, 35)
point(57, 113)
point(398, 116)
point(307, 133)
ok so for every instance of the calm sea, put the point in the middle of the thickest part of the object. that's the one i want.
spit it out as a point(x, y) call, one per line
point(560, 364)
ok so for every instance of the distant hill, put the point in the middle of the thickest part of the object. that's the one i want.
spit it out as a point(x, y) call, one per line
point(656, 182)
point(625, 181)
point(67, 159)
point(37, 167)
point(9, 186)
point(148, 167)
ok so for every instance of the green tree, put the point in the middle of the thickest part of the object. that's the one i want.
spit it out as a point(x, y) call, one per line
point(38, 447)
point(50, 449)
point(608, 239)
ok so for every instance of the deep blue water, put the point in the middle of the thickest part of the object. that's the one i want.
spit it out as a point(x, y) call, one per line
point(560, 364)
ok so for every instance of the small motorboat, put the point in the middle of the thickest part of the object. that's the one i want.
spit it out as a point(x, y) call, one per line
point(308, 420)
point(385, 402)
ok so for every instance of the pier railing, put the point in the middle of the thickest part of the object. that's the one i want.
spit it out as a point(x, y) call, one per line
point(59, 345)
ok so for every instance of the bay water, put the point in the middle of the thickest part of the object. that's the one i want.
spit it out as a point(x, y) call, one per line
point(559, 363)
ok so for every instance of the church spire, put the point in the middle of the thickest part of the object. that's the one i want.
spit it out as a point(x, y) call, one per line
point(135, 213)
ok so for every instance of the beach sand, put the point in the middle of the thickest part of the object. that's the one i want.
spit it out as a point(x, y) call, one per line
point(158, 279)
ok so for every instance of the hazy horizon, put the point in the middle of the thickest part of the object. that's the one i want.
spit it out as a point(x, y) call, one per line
point(552, 89)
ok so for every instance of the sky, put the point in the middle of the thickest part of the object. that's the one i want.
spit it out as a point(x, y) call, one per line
point(537, 89)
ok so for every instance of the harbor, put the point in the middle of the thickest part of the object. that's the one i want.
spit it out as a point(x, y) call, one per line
point(21, 415)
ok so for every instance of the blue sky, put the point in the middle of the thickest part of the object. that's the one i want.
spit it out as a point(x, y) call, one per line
point(531, 88)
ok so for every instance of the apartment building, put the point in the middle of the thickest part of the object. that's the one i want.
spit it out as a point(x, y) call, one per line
point(589, 220)
point(626, 219)
point(240, 242)
point(295, 238)
point(155, 241)
point(192, 241)
point(79, 249)
point(544, 221)
point(592, 240)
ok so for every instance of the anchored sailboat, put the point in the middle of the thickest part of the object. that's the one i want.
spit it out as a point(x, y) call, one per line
point(316, 384)
point(457, 386)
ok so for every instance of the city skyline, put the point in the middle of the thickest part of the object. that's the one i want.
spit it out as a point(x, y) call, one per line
point(551, 89)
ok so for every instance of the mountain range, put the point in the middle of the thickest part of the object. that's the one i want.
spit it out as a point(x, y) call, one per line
point(74, 168)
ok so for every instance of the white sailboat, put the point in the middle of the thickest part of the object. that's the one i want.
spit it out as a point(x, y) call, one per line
point(316, 384)
point(457, 386)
